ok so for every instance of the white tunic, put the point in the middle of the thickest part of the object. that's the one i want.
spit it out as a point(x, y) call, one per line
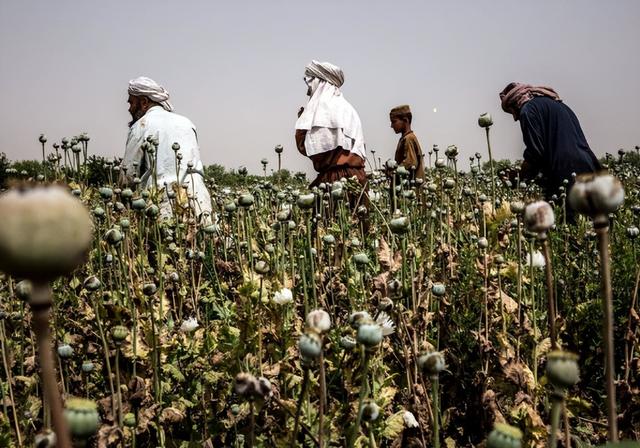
point(168, 128)
point(330, 121)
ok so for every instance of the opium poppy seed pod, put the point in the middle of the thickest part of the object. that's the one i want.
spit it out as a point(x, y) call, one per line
point(245, 384)
point(432, 363)
point(562, 369)
point(98, 212)
point(596, 194)
point(391, 164)
point(82, 416)
point(329, 239)
point(438, 289)
point(370, 411)
point(113, 236)
point(394, 286)
point(106, 193)
point(357, 318)
point(87, 366)
point(348, 342)
point(92, 283)
point(261, 267)
point(310, 345)
point(399, 225)
point(306, 201)
point(230, 207)
point(319, 320)
point(152, 211)
point(129, 420)
point(119, 333)
point(517, 207)
point(45, 232)
point(246, 200)
point(402, 171)
point(449, 183)
point(138, 204)
point(504, 436)
point(440, 163)
point(539, 217)
point(361, 259)
point(127, 193)
point(337, 193)
point(65, 351)
point(149, 289)
point(485, 120)
point(369, 334)
point(385, 304)
point(409, 194)
point(283, 215)
point(23, 290)
point(264, 390)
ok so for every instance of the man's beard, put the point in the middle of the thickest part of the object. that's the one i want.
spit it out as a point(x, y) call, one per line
point(136, 114)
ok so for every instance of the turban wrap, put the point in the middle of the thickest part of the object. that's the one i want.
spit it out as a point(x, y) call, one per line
point(326, 72)
point(147, 87)
point(516, 94)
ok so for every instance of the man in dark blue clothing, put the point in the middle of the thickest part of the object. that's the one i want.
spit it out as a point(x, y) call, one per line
point(555, 143)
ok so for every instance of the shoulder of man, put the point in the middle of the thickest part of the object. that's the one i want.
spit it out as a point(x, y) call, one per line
point(162, 116)
point(412, 139)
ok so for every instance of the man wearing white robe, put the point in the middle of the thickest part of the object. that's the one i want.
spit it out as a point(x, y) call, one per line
point(153, 117)
point(328, 130)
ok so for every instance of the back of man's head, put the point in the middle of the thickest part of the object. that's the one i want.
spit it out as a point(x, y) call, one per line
point(147, 87)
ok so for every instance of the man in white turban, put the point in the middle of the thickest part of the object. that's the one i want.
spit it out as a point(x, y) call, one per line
point(174, 166)
point(328, 130)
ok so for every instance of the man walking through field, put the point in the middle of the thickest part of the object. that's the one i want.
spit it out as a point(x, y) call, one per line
point(328, 130)
point(153, 118)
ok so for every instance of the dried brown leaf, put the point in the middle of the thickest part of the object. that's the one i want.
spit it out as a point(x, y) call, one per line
point(109, 436)
point(521, 375)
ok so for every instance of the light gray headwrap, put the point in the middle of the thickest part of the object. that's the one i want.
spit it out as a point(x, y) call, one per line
point(325, 71)
point(143, 86)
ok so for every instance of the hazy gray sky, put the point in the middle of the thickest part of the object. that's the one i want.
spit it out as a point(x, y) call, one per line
point(235, 69)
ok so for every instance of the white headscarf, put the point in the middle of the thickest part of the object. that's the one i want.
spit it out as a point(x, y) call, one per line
point(329, 119)
point(143, 86)
point(325, 71)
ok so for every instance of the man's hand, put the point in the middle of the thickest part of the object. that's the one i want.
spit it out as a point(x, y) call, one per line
point(300, 111)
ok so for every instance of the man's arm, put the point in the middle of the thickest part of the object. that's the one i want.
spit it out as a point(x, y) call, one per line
point(133, 154)
point(301, 134)
point(411, 151)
